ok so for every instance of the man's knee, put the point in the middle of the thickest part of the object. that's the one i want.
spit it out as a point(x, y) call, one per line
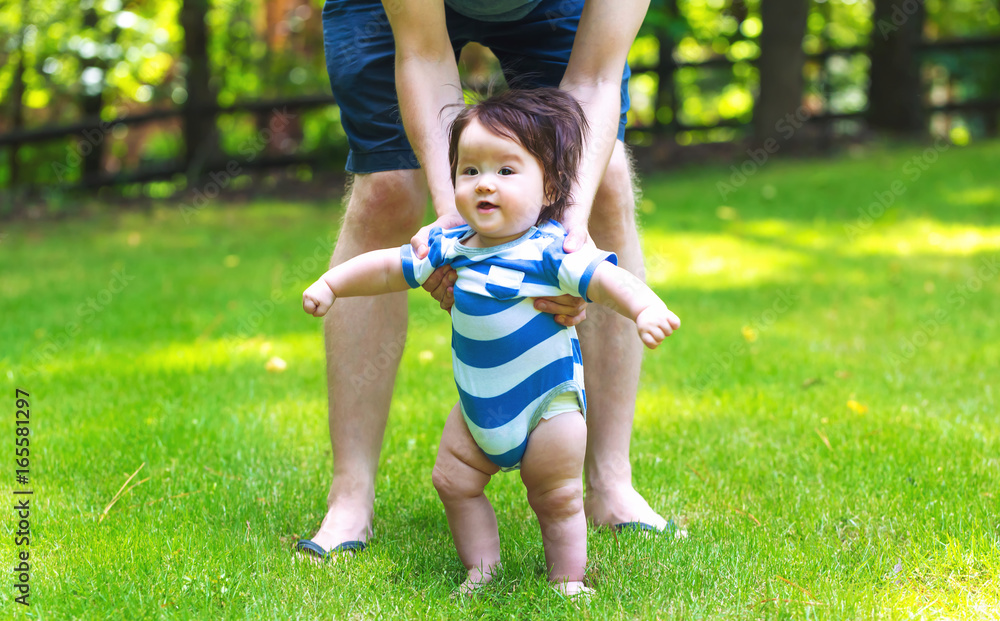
point(616, 192)
point(389, 203)
point(614, 203)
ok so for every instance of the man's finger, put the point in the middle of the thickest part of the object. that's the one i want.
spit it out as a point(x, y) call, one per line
point(554, 308)
point(444, 274)
point(419, 242)
point(448, 299)
point(571, 320)
point(434, 281)
point(565, 304)
point(439, 283)
point(441, 291)
point(419, 248)
point(575, 239)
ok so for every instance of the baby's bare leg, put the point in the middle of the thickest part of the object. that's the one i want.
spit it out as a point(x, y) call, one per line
point(552, 469)
point(460, 476)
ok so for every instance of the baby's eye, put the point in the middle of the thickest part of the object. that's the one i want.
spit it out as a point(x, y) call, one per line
point(506, 170)
point(471, 170)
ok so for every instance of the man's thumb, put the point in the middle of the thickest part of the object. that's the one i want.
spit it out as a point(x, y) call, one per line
point(575, 240)
point(419, 245)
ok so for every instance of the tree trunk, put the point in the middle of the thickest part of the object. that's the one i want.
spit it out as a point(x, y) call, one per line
point(17, 96)
point(895, 97)
point(991, 123)
point(17, 114)
point(93, 158)
point(666, 90)
point(778, 112)
point(200, 135)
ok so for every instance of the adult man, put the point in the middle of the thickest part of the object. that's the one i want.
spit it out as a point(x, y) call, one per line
point(578, 46)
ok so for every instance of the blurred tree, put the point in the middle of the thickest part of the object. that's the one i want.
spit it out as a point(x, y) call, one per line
point(95, 68)
point(895, 94)
point(962, 75)
point(200, 134)
point(17, 95)
point(666, 25)
point(62, 62)
point(780, 65)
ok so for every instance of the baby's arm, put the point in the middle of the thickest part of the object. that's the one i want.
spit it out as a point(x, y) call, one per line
point(371, 273)
point(622, 292)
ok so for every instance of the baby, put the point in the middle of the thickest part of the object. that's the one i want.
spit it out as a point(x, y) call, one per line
point(519, 373)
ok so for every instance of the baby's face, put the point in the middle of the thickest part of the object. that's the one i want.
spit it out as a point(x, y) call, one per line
point(499, 185)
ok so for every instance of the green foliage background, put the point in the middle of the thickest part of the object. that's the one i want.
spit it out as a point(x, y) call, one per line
point(133, 57)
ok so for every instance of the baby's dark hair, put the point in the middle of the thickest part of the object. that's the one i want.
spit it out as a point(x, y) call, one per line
point(547, 122)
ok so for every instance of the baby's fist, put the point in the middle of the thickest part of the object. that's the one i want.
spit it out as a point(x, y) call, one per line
point(317, 299)
point(656, 323)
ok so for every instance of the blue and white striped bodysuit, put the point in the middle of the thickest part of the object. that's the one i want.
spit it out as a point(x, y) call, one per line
point(510, 360)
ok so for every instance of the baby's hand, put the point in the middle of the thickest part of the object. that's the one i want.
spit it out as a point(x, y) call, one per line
point(317, 299)
point(656, 323)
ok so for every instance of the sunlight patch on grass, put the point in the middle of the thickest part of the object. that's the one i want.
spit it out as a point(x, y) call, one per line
point(983, 195)
point(888, 237)
point(752, 253)
point(657, 405)
point(297, 415)
point(960, 584)
point(201, 355)
point(689, 259)
point(925, 236)
point(809, 236)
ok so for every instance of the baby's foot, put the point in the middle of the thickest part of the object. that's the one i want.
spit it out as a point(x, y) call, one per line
point(475, 581)
point(576, 591)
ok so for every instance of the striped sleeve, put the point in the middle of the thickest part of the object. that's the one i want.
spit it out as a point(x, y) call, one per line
point(415, 270)
point(440, 251)
point(577, 268)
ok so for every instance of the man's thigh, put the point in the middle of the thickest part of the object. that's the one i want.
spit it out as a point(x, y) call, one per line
point(534, 51)
point(360, 60)
point(360, 57)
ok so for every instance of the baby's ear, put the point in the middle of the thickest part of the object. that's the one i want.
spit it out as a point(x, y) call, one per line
point(553, 190)
point(550, 192)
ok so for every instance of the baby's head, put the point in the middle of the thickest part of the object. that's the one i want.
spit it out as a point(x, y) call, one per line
point(546, 123)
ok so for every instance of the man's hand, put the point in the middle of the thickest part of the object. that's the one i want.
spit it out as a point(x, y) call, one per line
point(317, 299)
point(419, 241)
point(568, 310)
point(575, 223)
point(440, 285)
point(656, 323)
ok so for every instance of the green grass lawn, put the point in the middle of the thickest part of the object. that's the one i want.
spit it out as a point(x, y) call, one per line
point(825, 423)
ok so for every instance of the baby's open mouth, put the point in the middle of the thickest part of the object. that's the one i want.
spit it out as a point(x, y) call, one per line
point(485, 206)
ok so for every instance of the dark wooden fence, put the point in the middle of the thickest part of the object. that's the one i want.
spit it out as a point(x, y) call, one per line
point(193, 168)
point(187, 165)
point(667, 94)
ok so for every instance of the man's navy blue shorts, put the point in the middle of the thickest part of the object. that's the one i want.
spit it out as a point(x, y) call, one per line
point(360, 58)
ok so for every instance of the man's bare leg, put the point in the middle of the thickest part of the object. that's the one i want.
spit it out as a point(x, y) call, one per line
point(364, 343)
point(612, 354)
